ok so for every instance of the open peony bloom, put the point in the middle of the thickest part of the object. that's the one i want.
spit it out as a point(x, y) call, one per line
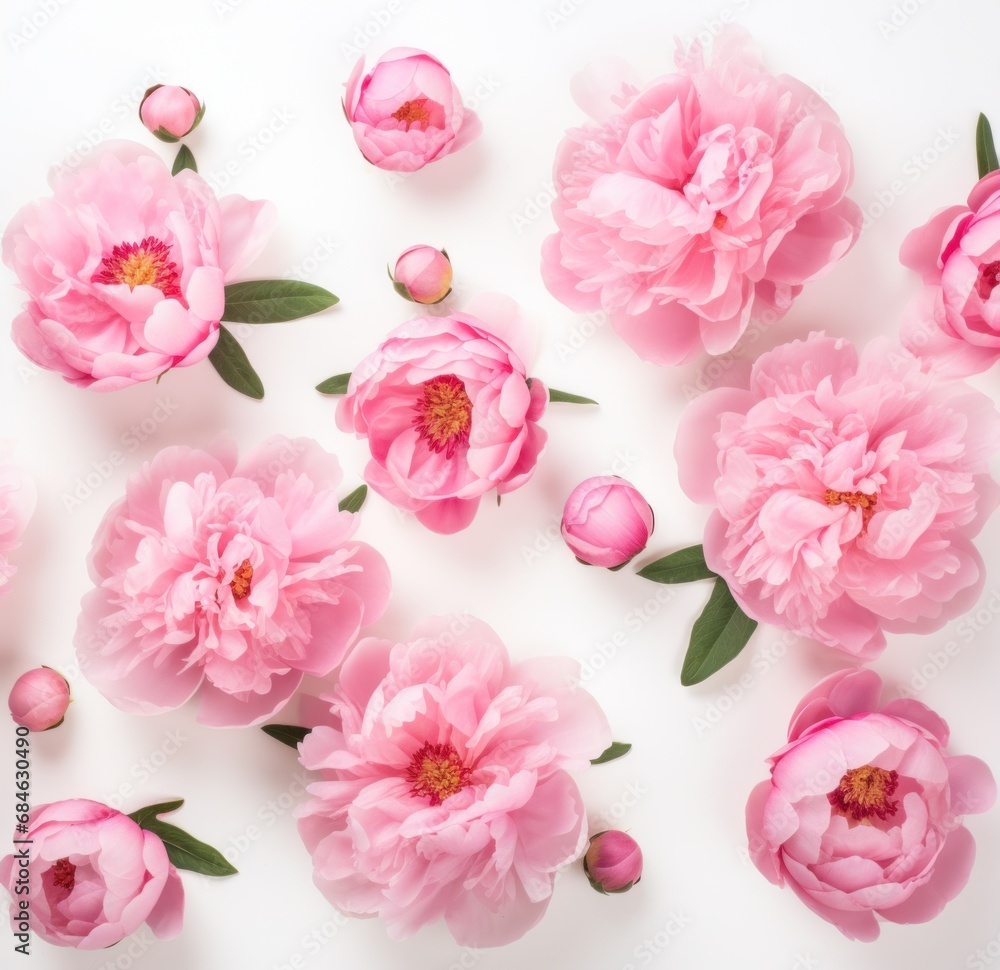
point(862, 815)
point(711, 195)
point(230, 579)
point(94, 877)
point(846, 492)
point(406, 111)
point(125, 267)
point(954, 325)
point(448, 411)
point(17, 504)
point(445, 792)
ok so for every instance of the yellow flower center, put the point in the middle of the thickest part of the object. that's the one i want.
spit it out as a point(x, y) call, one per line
point(858, 500)
point(444, 414)
point(864, 792)
point(436, 772)
point(242, 578)
point(413, 113)
point(145, 263)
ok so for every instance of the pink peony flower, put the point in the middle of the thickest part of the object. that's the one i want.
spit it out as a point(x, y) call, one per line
point(406, 111)
point(170, 112)
point(684, 208)
point(606, 521)
point(17, 504)
point(862, 813)
point(94, 877)
point(445, 791)
point(448, 412)
point(846, 492)
point(954, 325)
point(39, 699)
point(125, 266)
point(423, 274)
point(613, 862)
point(226, 578)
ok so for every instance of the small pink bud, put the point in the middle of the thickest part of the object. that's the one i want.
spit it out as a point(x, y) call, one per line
point(39, 698)
point(606, 522)
point(613, 862)
point(170, 112)
point(423, 274)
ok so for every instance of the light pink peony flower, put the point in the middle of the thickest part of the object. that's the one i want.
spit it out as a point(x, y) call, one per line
point(862, 813)
point(406, 111)
point(423, 274)
point(954, 325)
point(125, 267)
point(226, 578)
point(94, 877)
point(606, 521)
point(445, 791)
point(846, 492)
point(170, 112)
point(39, 699)
point(448, 412)
point(686, 207)
point(17, 504)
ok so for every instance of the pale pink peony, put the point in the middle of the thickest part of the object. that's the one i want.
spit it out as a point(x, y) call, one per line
point(423, 274)
point(226, 578)
point(17, 504)
point(125, 266)
point(407, 111)
point(94, 877)
point(448, 411)
point(954, 325)
point(606, 521)
point(846, 492)
point(39, 699)
point(170, 112)
point(862, 813)
point(711, 195)
point(445, 791)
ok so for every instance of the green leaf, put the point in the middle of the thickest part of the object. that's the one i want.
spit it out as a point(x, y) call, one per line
point(286, 733)
point(718, 636)
point(165, 135)
point(617, 750)
point(561, 397)
point(986, 153)
point(186, 852)
point(230, 360)
point(683, 566)
point(143, 815)
point(355, 500)
point(184, 159)
point(334, 385)
point(274, 301)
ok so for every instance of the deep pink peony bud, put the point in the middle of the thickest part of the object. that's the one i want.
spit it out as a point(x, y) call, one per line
point(613, 862)
point(606, 521)
point(39, 698)
point(423, 274)
point(170, 112)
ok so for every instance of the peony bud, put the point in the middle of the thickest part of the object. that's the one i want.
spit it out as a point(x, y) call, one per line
point(170, 112)
point(606, 522)
point(423, 274)
point(39, 698)
point(613, 862)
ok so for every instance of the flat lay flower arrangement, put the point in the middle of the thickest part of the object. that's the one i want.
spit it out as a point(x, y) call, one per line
point(453, 775)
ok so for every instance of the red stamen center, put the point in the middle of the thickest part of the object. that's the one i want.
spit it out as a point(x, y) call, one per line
point(864, 792)
point(145, 263)
point(436, 771)
point(859, 500)
point(989, 278)
point(444, 414)
point(64, 874)
point(242, 579)
point(413, 113)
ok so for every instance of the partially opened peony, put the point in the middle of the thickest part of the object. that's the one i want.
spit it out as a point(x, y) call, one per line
point(846, 491)
point(226, 578)
point(708, 196)
point(125, 267)
point(862, 815)
point(445, 792)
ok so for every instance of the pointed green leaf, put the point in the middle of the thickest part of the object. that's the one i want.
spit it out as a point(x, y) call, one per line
point(187, 852)
point(718, 636)
point(986, 153)
point(355, 500)
point(184, 159)
point(274, 301)
point(617, 750)
point(142, 815)
point(561, 397)
point(286, 733)
point(229, 359)
point(334, 385)
point(165, 135)
point(683, 566)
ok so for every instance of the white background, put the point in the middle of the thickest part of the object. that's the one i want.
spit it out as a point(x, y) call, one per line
point(908, 90)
